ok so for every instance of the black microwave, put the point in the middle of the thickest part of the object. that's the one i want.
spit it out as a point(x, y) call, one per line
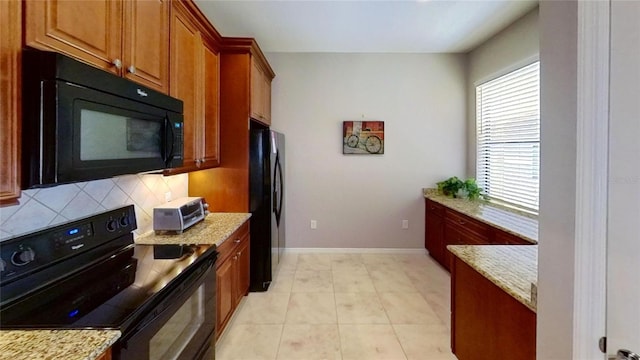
point(81, 123)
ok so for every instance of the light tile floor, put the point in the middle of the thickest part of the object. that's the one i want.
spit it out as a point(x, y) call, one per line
point(345, 306)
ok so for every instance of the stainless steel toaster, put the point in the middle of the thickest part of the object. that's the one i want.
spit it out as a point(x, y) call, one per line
point(178, 215)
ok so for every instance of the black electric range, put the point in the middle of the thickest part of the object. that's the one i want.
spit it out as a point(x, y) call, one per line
point(89, 273)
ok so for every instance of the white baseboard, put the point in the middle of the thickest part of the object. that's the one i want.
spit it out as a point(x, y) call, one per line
point(356, 251)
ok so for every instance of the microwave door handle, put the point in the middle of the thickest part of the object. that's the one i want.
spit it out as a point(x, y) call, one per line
point(169, 134)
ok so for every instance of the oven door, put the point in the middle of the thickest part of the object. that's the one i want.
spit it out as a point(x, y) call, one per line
point(181, 326)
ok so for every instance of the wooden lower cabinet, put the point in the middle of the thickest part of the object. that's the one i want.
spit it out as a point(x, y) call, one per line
point(486, 322)
point(434, 236)
point(232, 275)
point(502, 237)
point(445, 226)
point(105, 355)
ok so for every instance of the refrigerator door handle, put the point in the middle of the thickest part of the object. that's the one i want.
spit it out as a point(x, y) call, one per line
point(277, 189)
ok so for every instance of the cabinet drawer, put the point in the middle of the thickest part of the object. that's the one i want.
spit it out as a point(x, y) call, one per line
point(504, 238)
point(467, 224)
point(227, 248)
point(456, 235)
point(433, 207)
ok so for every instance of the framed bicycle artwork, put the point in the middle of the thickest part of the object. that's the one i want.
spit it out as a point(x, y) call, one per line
point(363, 137)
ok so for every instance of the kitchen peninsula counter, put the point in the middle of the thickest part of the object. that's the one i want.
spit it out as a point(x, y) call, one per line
point(513, 268)
point(518, 223)
point(214, 229)
point(55, 344)
point(493, 307)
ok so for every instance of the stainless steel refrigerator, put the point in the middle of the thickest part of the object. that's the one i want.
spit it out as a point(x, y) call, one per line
point(266, 203)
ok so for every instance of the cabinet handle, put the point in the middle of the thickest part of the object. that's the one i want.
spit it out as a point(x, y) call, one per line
point(198, 162)
point(238, 253)
point(117, 63)
point(132, 69)
point(433, 208)
point(461, 222)
point(235, 258)
point(236, 241)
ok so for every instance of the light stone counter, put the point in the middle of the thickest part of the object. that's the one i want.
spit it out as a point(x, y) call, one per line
point(510, 220)
point(513, 268)
point(55, 344)
point(214, 229)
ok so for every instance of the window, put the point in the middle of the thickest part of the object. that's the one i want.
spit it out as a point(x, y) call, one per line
point(508, 136)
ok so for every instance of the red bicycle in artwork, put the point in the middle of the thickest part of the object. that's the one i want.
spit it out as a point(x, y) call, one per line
point(363, 135)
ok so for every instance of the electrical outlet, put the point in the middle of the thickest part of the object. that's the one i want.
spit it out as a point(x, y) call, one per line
point(405, 224)
point(167, 196)
point(314, 224)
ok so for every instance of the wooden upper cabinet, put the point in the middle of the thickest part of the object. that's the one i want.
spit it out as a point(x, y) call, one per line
point(10, 97)
point(185, 45)
point(195, 79)
point(145, 49)
point(87, 30)
point(211, 126)
point(260, 93)
point(128, 38)
point(256, 91)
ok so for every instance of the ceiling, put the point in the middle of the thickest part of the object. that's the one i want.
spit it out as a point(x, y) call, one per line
point(426, 26)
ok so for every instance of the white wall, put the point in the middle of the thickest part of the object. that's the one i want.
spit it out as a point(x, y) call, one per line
point(558, 59)
point(359, 201)
point(515, 46)
point(45, 207)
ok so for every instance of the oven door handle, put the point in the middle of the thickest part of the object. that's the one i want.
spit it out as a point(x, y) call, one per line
point(178, 294)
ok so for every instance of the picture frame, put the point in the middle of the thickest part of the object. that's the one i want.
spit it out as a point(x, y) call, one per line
point(363, 137)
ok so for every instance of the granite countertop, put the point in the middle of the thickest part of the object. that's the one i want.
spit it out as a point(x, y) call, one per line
point(513, 268)
point(214, 229)
point(516, 222)
point(55, 344)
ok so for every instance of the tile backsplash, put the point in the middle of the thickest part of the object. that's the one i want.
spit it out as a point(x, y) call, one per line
point(45, 207)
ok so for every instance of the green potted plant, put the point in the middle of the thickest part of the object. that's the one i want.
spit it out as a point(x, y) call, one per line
point(456, 188)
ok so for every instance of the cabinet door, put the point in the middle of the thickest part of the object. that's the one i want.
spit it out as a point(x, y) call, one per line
point(145, 50)
point(186, 48)
point(266, 99)
point(242, 268)
point(225, 292)
point(451, 237)
point(87, 30)
point(434, 237)
point(257, 88)
point(10, 65)
point(105, 355)
point(211, 146)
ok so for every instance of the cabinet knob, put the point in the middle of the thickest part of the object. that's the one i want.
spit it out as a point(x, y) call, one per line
point(235, 257)
point(198, 162)
point(238, 253)
point(132, 69)
point(117, 63)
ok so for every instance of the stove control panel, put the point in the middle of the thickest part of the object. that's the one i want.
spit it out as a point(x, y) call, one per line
point(31, 252)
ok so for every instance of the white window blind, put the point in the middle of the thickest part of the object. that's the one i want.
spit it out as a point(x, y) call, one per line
point(508, 126)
